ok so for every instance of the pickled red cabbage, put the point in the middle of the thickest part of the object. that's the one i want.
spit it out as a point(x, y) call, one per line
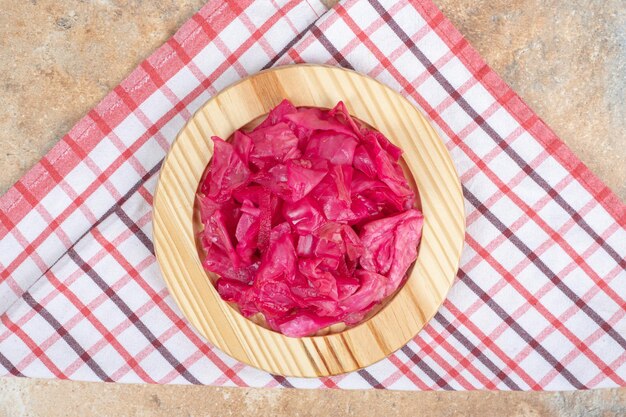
point(308, 219)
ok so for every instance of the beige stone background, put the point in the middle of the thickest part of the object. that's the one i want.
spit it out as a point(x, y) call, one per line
point(58, 58)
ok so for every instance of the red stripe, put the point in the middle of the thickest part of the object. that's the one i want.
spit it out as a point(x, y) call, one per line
point(452, 373)
point(33, 348)
point(406, 371)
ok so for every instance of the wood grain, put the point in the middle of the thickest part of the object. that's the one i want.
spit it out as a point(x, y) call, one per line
point(427, 161)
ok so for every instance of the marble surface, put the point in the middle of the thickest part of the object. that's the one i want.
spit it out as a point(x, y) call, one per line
point(58, 58)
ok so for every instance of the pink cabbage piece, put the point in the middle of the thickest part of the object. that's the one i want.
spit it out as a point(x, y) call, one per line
point(278, 113)
point(303, 175)
point(304, 216)
point(271, 144)
point(310, 120)
point(337, 148)
point(308, 219)
point(242, 144)
point(227, 172)
point(387, 168)
point(370, 292)
point(247, 231)
point(303, 323)
point(389, 247)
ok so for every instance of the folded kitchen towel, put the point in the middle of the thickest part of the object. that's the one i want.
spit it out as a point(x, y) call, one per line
point(540, 299)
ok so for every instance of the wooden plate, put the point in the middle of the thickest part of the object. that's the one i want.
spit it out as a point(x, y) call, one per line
point(427, 160)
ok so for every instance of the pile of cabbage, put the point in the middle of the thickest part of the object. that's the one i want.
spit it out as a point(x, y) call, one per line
point(308, 219)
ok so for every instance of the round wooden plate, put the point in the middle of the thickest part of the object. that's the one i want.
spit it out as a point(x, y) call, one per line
point(427, 160)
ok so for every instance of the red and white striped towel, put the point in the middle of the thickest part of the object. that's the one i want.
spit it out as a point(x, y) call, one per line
point(540, 298)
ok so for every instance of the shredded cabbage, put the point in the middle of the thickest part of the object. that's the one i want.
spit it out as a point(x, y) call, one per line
point(308, 219)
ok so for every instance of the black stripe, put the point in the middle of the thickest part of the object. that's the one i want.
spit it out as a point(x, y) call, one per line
point(4, 361)
point(337, 56)
point(132, 317)
point(426, 369)
point(288, 47)
point(370, 379)
point(128, 222)
point(475, 351)
point(282, 381)
point(67, 337)
point(523, 334)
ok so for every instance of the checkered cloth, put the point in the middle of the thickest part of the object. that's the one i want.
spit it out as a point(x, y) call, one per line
point(540, 298)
